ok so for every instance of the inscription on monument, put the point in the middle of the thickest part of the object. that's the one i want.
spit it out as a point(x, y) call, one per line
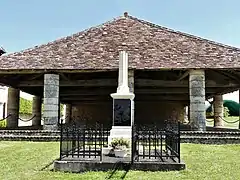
point(122, 112)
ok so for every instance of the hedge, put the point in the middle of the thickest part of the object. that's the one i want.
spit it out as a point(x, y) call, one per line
point(25, 107)
point(232, 106)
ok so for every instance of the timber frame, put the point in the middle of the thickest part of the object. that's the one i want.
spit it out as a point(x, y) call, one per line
point(149, 85)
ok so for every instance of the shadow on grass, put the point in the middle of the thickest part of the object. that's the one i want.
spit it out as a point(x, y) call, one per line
point(116, 167)
point(119, 166)
point(49, 164)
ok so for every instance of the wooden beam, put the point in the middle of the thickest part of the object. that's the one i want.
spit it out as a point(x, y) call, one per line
point(113, 83)
point(139, 97)
point(228, 75)
point(183, 76)
point(221, 91)
point(35, 76)
point(86, 98)
point(99, 103)
point(138, 91)
point(64, 83)
point(35, 71)
point(64, 77)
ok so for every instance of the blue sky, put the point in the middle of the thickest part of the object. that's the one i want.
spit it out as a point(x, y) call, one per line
point(27, 23)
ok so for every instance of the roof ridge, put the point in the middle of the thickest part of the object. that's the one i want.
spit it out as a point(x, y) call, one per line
point(126, 16)
point(183, 33)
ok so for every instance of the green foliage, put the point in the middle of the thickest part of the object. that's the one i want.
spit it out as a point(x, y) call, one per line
point(25, 106)
point(3, 123)
point(226, 112)
point(120, 142)
point(61, 109)
point(232, 106)
point(209, 114)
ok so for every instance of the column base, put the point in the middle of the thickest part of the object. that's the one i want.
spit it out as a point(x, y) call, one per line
point(50, 127)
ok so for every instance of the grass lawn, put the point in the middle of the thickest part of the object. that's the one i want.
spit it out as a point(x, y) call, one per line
point(24, 160)
point(228, 125)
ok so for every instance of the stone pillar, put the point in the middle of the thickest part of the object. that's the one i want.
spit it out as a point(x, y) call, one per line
point(51, 101)
point(239, 107)
point(131, 80)
point(123, 111)
point(218, 110)
point(13, 107)
point(197, 100)
point(68, 113)
point(36, 111)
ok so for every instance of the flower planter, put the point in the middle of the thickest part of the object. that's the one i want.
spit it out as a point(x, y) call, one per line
point(120, 152)
point(106, 150)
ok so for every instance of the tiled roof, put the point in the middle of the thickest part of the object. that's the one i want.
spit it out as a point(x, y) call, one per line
point(149, 46)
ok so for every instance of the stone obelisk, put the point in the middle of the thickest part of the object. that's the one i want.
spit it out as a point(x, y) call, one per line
point(123, 104)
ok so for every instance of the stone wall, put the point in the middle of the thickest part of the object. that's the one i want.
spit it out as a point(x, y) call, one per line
point(145, 112)
point(157, 112)
point(92, 113)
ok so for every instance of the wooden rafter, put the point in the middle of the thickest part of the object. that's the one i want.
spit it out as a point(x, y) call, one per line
point(183, 76)
point(228, 75)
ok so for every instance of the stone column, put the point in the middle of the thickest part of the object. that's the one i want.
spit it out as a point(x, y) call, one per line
point(197, 99)
point(51, 101)
point(13, 107)
point(131, 80)
point(68, 113)
point(218, 110)
point(239, 108)
point(36, 111)
point(123, 111)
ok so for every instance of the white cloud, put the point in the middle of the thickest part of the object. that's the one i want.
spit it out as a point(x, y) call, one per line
point(232, 96)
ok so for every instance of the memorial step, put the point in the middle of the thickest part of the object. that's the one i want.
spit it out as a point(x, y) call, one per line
point(209, 137)
point(210, 134)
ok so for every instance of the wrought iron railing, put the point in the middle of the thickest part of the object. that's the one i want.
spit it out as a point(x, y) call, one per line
point(156, 144)
point(149, 143)
point(172, 140)
point(82, 141)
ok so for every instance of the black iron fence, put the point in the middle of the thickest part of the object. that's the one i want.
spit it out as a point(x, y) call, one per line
point(150, 143)
point(83, 141)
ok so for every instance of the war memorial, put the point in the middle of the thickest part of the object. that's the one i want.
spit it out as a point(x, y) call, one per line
point(126, 84)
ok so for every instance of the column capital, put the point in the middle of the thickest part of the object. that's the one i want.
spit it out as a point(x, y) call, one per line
point(196, 71)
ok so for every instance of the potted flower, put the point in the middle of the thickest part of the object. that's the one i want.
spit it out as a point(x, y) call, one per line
point(120, 146)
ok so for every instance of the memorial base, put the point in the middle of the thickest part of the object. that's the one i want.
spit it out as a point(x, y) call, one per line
point(124, 132)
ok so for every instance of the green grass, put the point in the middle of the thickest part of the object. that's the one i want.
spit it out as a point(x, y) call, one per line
point(24, 160)
point(228, 125)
